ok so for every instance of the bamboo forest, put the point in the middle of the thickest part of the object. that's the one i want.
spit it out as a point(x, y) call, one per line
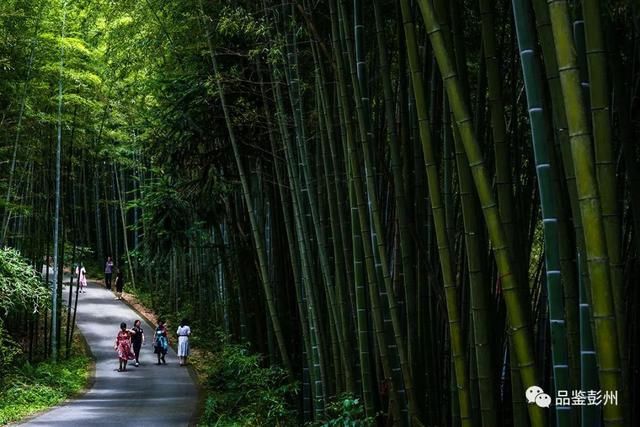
point(371, 212)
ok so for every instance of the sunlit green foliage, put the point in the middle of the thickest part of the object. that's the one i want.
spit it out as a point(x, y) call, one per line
point(20, 285)
point(30, 388)
point(20, 289)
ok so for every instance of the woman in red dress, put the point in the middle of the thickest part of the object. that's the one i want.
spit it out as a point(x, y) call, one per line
point(123, 346)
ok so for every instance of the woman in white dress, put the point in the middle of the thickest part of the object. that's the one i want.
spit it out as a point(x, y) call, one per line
point(183, 333)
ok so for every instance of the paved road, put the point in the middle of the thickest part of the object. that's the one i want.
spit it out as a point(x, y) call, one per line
point(149, 395)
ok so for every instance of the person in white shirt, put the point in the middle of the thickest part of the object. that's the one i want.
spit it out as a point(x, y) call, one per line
point(183, 333)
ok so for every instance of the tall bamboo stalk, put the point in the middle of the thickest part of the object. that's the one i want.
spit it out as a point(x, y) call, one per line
point(504, 185)
point(4, 225)
point(121, 205)
point(295, 95)
point(479, 293)
point(540, 131)
point(308, 292)
point(590, 414)
point(437, 208)
point(361, 100)
point(408, 260)
point(480, 319)
point(517, 314)
point(606, 336)
point(309, 337)
point(255, 224)
point(604, 154)
point(566, 212)
point(359, 202)
point(58, 196)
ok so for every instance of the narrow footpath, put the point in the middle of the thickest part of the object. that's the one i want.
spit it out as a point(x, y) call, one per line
point(149, 395)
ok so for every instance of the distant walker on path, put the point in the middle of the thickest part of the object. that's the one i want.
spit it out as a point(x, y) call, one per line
point(81, 272)
point(183, 333)
point(108, 273)
point(119, 284)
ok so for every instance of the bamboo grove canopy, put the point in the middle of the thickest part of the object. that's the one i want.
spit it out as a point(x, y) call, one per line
point(429, 205)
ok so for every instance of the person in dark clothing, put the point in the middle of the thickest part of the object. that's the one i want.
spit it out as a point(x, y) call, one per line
point(108, 273)
point(119, 284)
point(161, 342)
point(137, 340)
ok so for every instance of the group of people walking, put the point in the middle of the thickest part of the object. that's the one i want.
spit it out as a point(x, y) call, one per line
point(81, 273)
point(129, 342)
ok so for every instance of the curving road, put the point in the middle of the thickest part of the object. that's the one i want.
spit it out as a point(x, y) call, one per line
point(149, 395)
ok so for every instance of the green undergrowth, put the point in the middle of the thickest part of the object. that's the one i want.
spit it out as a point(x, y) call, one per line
point(148, 299)
point(242, 392)
point(32, 388)
point(345, 410)
point(238, 389)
